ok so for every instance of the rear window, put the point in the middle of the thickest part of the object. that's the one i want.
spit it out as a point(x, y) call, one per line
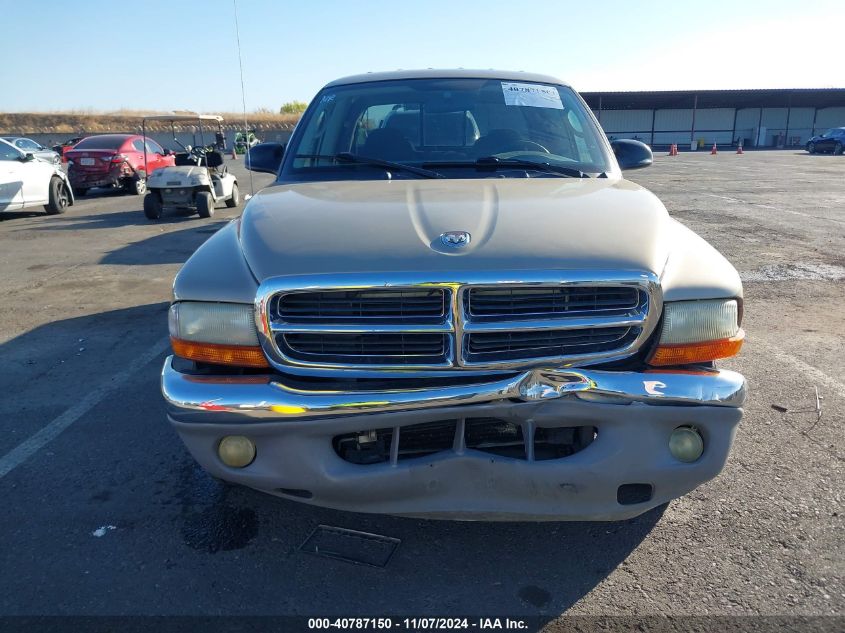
point(101, 142)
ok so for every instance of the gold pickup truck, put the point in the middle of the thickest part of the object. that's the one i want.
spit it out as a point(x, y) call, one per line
point(451, 304)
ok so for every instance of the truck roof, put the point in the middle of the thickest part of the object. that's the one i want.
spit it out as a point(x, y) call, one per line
point(454, 73)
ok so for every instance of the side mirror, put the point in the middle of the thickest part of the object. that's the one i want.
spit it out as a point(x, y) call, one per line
point(631, 154)
point(266, 157)
point(27, 157)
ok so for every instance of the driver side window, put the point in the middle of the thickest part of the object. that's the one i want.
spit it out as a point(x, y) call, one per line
point(153, 147)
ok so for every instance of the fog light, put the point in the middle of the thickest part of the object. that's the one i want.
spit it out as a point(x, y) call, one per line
point(686, 444)
point(236, 451)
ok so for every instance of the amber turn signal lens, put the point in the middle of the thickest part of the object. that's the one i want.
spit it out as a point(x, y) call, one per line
point(238, 355)
point(688, 353)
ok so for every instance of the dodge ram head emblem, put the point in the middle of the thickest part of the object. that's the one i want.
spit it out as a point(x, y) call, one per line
point(455, 239)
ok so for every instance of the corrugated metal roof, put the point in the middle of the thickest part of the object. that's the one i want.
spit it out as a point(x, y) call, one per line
point(734, 98)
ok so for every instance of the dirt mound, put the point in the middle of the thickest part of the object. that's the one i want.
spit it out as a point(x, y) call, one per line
point(86, 122)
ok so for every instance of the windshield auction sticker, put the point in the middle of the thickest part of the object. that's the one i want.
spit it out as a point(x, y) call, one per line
point(532, 95)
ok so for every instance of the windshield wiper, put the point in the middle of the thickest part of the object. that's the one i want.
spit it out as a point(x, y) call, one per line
point(494, 162)
point(349, 157)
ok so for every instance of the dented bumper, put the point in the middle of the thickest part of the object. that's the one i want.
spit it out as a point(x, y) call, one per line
point(295, 432)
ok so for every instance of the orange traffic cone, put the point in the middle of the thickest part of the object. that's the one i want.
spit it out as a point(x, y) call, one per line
point(739, 149)
point(234, 154)
point(713, 151)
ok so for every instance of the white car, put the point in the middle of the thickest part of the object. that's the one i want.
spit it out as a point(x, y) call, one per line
point(28, 146)
point(27, 182)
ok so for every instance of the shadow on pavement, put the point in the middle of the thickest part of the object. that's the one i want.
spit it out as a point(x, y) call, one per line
point(118, 219)
point(116, 494)
point(52, 366)
point(17, 215)
point(528, 569)
point(173, 247)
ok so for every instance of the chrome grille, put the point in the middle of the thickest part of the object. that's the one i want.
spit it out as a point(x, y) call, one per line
point(517, 345)
point(366, 348)
point(352, 306)
point(405, 321)
point(515, 303)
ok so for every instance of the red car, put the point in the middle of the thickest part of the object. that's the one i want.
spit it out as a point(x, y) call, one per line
point(114, 160)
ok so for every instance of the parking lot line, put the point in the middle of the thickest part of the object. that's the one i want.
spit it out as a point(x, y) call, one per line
point(805, 370)
point(36, 442)
point(773, 208)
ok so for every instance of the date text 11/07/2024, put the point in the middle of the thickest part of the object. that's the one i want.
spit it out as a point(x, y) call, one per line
point(417, 624)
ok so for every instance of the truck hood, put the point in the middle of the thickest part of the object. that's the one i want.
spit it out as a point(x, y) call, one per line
point(395, 225)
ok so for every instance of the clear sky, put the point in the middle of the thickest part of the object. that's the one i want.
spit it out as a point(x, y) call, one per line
point(181, 54)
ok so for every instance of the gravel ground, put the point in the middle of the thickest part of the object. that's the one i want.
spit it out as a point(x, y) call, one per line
point(113, 517)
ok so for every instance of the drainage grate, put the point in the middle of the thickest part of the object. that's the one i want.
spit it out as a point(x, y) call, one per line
point(360, 548)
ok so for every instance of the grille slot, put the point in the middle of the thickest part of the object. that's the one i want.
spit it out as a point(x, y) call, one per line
point(514, 345)
point(363, 306)
point(366, 447)
point(416, 440)
point(419, 440)
point(489, 435)
point(551, 302)
point(499, 437)
point(554, 443)
point(368, 348)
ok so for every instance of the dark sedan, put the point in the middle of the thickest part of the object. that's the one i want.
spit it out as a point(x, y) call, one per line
point(831, 141)
point(64, 146)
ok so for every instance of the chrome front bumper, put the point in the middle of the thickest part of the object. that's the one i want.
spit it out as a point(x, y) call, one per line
point(253, 398)
point(634, 414)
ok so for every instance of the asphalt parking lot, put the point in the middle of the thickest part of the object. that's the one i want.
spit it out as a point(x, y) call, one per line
point(107, 514)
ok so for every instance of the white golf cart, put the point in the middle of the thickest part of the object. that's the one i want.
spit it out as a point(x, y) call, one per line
point(199, 180)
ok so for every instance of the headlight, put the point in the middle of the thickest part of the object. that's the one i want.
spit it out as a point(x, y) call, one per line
point(698, 331)
point(220, 333)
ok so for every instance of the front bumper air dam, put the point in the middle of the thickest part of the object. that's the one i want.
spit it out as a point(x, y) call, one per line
point(633, 413)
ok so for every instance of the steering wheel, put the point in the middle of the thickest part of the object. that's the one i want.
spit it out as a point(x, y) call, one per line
point(504, 141)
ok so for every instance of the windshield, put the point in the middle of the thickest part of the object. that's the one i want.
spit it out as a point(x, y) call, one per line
point(444, 124)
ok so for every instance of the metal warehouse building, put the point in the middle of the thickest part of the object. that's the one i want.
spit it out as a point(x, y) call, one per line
point(756, 118)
